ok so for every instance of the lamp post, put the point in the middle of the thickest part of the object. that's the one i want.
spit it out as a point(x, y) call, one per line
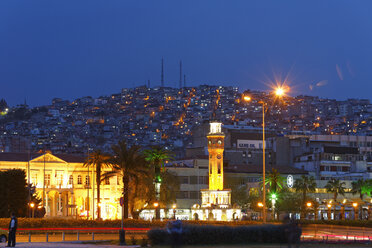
point(156, 205)
point(174, 211)
point(260, 205)
point(279, 91)
point(32, 205)
point(355, 206)
point(274, 197)
point(308, 205)
point(329, 211)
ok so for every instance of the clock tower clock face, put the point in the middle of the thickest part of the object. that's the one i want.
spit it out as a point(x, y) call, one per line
point(219, 142)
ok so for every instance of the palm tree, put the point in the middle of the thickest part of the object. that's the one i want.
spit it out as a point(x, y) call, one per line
point(305, 185)
point(336, 187)
point(127, 162)
point(100, 161)
point(156, 157)
point(275, 181)
point(359, 187)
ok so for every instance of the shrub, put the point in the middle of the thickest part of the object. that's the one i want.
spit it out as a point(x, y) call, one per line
point(210, 235)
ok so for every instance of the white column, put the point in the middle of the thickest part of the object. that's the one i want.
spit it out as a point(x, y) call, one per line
point(72, 203)
point(59, 203)
point(47, 213)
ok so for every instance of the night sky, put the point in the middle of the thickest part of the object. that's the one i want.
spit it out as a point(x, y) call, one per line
point(75, 48)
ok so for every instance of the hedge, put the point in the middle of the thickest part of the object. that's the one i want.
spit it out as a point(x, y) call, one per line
point(211, 235)
point(70, 222)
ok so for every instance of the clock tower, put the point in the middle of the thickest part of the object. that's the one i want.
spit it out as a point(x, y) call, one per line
point(215, 150)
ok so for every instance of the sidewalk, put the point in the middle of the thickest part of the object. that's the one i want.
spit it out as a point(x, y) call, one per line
point(67, 245)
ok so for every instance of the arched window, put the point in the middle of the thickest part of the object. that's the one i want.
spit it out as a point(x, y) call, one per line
point(79, 180)
point(71, 180)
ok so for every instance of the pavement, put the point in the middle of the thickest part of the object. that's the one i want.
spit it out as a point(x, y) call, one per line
point(67, 245)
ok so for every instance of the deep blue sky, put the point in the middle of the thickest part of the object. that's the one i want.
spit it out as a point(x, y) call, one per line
point(76, 48)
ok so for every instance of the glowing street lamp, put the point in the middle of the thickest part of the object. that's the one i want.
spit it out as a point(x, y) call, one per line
point(329, 210)
point(274, 197)
point(309, 204)
point(355, 206)
point(279, 92)
point(32, 205)
point(247, 98)
point(174, 206)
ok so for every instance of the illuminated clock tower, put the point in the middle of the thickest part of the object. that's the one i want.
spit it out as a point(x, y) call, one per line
point(216, 196)
point(215, 150)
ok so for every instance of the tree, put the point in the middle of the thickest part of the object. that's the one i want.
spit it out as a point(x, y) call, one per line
point(336, 187)
point(129, 163)
point(304, 185)
point(13, 193)
point(99, 160)
point(360, 187)
point(289, 202)
point(156, 156)
point(275, 181)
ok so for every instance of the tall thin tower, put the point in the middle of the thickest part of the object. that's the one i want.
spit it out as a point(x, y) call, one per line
point(180, 74)
point(162, 72)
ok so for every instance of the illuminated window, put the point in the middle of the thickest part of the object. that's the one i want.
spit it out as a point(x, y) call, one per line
point(71, 180)
point(59, 179)
point(107, 181)
point(34, 179)
point(87, 180)
point(47, 180)
point(79, 181)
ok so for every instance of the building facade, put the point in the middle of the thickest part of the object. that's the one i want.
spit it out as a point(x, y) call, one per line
point(66, 187)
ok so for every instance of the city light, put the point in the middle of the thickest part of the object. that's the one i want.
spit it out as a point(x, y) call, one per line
point(260, 204)
point(329, 205)
point(308, 204)
point(32, 205)
point(174, 206)
point(247, 98)
point(355, 204)
point(274, 196)
point(156, 204)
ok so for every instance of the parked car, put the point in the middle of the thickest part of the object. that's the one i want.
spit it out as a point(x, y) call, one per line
point(3, 235)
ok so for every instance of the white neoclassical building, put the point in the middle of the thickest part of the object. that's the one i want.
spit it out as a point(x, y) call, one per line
point(66, 187)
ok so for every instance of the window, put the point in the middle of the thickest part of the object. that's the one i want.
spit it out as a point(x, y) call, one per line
point(193, 180)
point(183, 179)
point(47, 180)
point(71, 180)
point(87, 180)
point(107, 181)
point(34, 179)
point(182, 195)
point(59, 178)
point(194, 194)
point(203, 180)
point(219, 167)
point(79, 181)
